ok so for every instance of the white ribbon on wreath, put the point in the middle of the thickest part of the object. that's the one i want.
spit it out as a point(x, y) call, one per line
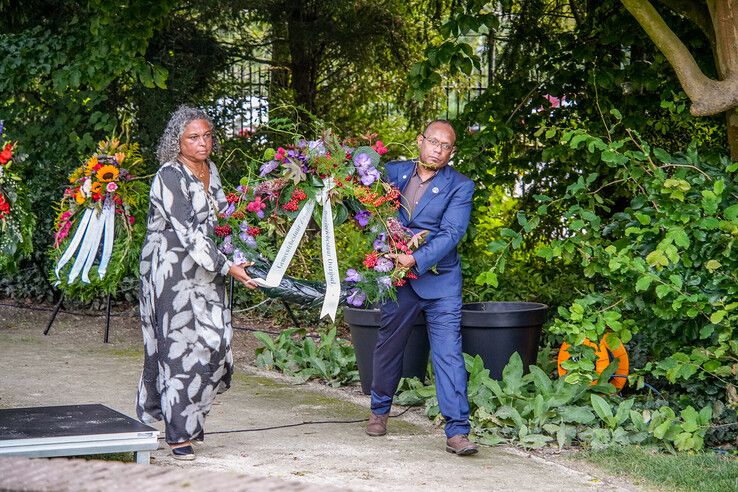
point(328, 243)
point(93, 228)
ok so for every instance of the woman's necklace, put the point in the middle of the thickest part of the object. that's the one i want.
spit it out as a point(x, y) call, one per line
point(201, 173)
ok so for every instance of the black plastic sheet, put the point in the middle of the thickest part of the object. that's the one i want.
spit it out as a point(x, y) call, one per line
point(304, 293)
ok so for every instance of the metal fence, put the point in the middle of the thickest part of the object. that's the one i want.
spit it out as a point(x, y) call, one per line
point(464, 89)
point(246, 106)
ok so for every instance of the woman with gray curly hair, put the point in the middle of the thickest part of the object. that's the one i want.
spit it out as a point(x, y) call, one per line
point(185, 318)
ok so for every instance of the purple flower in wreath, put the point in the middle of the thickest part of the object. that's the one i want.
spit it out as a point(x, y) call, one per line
point(244, 226)
point(356, 298)
point(367, 172)
point(384, 265)
point(248, 240)
point(268, 167)
point(316, 147)
point(370, 176)
point(227, 246)
point(229, 211)
point(380, 244)
point(352, 276)
point(239, 258)
point(1, 128)
point(362, 161)
point(242, 189)
point(385, 283)
point(362, 218)
point(297, 156)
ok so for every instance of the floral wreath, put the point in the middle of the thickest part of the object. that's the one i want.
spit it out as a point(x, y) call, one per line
point(16, 220)
point(98, 227)
point(289, 177)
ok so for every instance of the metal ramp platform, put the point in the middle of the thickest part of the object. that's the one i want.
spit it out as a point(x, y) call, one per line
point(73, 430)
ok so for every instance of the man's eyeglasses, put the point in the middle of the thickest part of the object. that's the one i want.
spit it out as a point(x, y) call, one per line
point(436, 143)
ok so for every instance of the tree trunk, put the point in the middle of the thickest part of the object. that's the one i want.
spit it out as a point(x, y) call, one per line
point(708, 96)
point(731, 120)
point(304, 54)
point(491, 57)
point(724, 14)
point(279, 80)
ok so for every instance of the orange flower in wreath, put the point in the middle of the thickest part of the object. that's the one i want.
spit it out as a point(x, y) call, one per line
point(107, 173)
point(90, 166)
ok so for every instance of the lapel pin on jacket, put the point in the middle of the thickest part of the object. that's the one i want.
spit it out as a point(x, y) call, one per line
point(435, 189)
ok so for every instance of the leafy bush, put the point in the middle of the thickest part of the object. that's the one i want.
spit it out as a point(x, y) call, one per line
point(534, 411)
point(660, 266)
point(293, 353)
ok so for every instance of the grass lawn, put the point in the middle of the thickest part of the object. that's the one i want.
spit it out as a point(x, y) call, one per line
point(122, 457)
point(643, 466)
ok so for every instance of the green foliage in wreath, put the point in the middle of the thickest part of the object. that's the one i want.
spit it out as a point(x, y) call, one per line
point(17, 222)
point(104, 177)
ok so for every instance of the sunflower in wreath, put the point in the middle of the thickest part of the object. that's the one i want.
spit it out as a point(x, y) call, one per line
point(99, 227)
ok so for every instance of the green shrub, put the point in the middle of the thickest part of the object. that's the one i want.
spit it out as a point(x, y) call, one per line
point(532, 410)
point(660, 266)
point(331, 360)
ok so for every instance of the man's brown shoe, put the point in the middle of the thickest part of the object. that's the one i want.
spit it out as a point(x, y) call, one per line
point(377, 425)
point(459, 444)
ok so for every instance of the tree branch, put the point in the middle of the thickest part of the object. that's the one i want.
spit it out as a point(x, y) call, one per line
point(708, 96)
point(575, 13)
point(252, 58)
point(695, 11)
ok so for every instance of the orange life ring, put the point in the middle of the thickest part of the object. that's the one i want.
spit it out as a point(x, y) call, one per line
point(605, 355)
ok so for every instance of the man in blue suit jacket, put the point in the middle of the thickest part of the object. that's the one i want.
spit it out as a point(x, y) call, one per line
point(436, 198)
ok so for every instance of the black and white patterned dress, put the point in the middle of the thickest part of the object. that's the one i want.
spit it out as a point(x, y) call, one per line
point(185, 319)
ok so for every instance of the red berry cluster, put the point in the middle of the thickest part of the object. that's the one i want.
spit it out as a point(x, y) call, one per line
point(253, 231)
point(232, 198)
point(223, 231)
point(290, 206)
point(376, 200)
point(370, 260)
point(294, 203)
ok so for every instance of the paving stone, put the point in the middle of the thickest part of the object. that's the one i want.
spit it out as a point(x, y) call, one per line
point(62, 475)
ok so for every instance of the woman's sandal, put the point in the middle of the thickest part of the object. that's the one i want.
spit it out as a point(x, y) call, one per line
point(185, 453)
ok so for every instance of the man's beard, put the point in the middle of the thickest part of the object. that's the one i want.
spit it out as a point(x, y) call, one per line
point(429, 165)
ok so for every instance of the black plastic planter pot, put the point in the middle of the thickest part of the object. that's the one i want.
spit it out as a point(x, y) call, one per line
point(495, 330)
point(364, 325)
